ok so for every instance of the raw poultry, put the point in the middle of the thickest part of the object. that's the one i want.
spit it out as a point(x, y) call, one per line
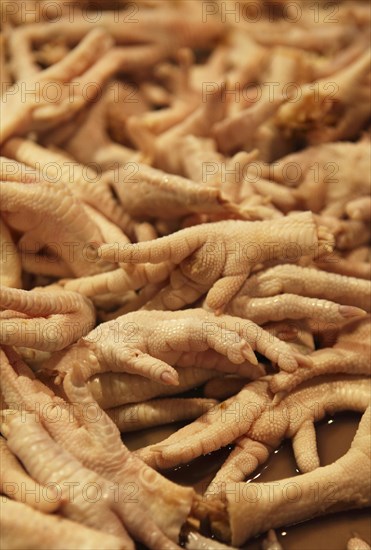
point(185, 234)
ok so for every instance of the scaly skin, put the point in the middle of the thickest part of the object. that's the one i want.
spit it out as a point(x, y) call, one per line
point(19, 116)
point(316, 172)
point(293, 418)
point(150, 345)
point(113, 389)
point(291, 306)
point(204, 165)
point(214, 429)
point(152, 508)
point(258, 424)
point(252, 301)
point(44, 531)
point(129, 418)
point(149, 193)
point(176, 126)
point(217, 258)
point(346, 483)
point(16, 483)
point(84, 182)
point(350, 354)
point(10, 262)
point(118, 281)
point(47, 319)
point(49, 215)
point(49, 464)
point(306, 281)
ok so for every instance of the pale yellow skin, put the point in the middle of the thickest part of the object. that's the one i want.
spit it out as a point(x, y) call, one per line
point(13, 477)
point(150, 346)
point(114, 389)
point(294, 417)
point(47, 319)
point(45, 531)
point(303, 281)
point(81, 179)
point(350, 354)
point(217, 258)
point(50, 216)
point(95, 443)
point(19, 116)
point(10, 262)
point(135, 417)
point(48, 463)
point(199, 289)
point(352, 92)
point(348, 476)
point(356, 543)
point(262, 423)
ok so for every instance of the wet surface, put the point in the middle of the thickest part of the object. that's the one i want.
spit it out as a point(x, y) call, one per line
point(327, 533)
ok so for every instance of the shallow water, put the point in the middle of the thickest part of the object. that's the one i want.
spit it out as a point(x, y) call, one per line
point(328, 533)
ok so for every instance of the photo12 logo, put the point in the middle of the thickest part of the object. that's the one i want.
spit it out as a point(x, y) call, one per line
point(254, 11)
point(24, 11)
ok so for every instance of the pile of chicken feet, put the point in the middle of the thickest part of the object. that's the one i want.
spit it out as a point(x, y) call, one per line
point(185, 203)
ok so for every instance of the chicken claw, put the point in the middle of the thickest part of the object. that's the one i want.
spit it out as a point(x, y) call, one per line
point(218, 257)
point(151, 508)
point(47, 319)
point(141, 343)
point(255, 507)
point(20, 114)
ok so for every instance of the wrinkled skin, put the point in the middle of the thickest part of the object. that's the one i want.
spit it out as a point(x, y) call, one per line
point(350, 354)
point(97, 445)
point(44, 319)
point(20, 116)
point(114, 389)
point(292, 292)
point(303, 281)
point(10, 263)
point(179, 127)
point(257, 424)
point(348, 476)
point(315, 174)
point(215, 257)
point(157, 412)
point(13, 476)
point(294, 418)
point(51, 217)
point(81, 179)
point(49, 464)
point(150, 346)
point(45, 531)
point(147, 192)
